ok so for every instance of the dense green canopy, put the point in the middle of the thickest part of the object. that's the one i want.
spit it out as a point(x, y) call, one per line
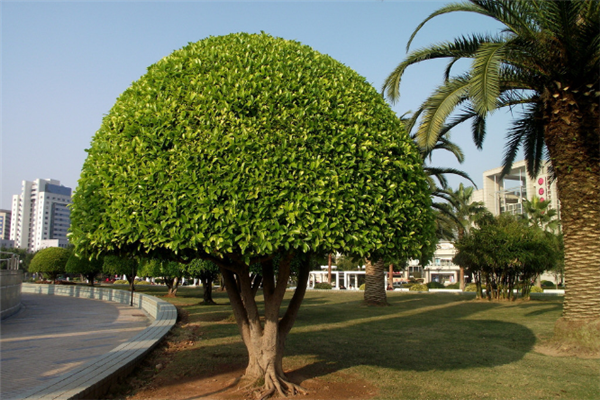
point(248, 144)
point(50, 261)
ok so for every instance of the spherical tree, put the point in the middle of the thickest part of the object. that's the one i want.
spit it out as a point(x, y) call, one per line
point(50, 262)
point(253, 151)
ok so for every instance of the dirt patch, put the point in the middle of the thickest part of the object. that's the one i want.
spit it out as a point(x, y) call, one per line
point(224, 385)
point(223, 381)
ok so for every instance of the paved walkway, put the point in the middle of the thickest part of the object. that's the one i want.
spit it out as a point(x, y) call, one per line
point(52, 335)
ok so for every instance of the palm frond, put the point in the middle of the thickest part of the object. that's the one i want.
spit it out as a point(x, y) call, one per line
point(445, 144)
point(437, 108)
point(478, 129)
point(461, 47)
point(454, 7)
point(485, 79)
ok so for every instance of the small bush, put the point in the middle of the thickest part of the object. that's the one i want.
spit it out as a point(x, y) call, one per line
point(143, 283)
point(323, 285)
point(407, 285)
point(435, 285)
point(453, 286)
point(418, 287)
point(536, 289)
point(362, 287)
point(548, 285)
point(121, 282)
point(471, 287)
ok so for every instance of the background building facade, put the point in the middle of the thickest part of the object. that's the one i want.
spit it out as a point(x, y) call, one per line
point(506, 194)
point(5, 218)
point(41, 215)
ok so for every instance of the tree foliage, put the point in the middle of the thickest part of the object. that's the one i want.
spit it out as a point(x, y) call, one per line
point(506, 254)
point(248, 150)
point(171, 271)
point(269, 145)
point(122, 265)
point(84, 266)
point(206, 271)
point(50, 262)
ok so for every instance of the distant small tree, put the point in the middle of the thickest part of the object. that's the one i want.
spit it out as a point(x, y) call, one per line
point(128, 266)
point(170, 271)
point(84, 266)
point(207, 272)
point(503, 253)
point(50, 262)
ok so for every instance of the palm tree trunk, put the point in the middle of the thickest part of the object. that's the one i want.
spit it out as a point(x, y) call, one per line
point(572, 125)
point(375, 283)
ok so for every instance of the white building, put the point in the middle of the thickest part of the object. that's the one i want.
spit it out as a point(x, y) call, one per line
point(5, 217)
point(507, 194)
point(41, 215)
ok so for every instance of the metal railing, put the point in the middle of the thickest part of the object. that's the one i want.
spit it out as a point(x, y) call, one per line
point(9, 260)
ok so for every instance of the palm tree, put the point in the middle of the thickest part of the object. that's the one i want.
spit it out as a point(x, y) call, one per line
point(465, 212)
point(545, 66)
point(538, 212)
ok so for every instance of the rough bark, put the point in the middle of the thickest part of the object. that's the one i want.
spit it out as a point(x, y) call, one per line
point(172, 284)
point(207, 289)
point(572, 135)
point(375, 283)
point(265, 341)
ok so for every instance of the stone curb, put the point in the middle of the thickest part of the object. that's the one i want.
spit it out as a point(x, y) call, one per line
point(92, 380)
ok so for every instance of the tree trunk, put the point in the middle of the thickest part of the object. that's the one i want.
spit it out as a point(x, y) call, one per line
point(572, 136)
point(266, 344)
point(207, 289)
point(375, 283)
point(461, 278)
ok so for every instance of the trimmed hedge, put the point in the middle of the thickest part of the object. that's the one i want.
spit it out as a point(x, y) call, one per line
point(417, 287)
point(435, 285)
point(323, 285)
point(471, 287)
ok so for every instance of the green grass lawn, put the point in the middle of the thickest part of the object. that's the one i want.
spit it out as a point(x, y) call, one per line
point(424, 346)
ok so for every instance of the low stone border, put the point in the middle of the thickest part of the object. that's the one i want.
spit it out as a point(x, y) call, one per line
point(10, 292)
point(92, 380)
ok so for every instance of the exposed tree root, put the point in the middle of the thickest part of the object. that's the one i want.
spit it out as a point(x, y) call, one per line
point(273, 384)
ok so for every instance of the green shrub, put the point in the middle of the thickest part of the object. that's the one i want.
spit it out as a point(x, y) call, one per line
point(453, 286)
point(142, 283)
point(548, 285)
point(435, 285)
point(471, 287)
point(407, 285)
point(418, 287)
point(323, 285)
point(50, 261)
point(121, 282)
point(362, 287)
point(536, 289)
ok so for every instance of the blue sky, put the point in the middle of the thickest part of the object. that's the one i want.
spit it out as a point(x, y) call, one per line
point(65, 63)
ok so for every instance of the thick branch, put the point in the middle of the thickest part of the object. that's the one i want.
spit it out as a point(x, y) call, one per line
point(286, 323)
point(239, 311)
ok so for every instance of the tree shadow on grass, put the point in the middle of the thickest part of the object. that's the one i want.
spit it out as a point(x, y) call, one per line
point(416, 333)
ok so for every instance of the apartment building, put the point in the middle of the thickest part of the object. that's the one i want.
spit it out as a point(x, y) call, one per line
point(41, 215)
point(5, 217)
